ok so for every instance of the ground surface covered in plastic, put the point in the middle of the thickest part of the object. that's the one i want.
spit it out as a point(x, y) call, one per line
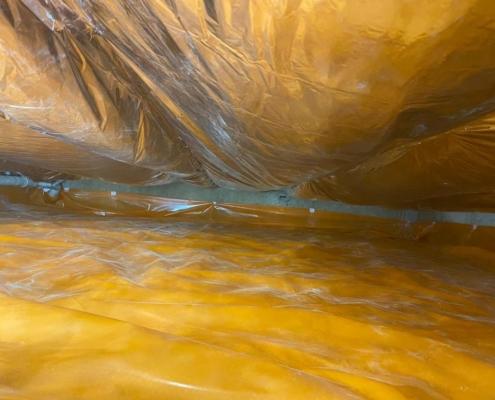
point(100, 308)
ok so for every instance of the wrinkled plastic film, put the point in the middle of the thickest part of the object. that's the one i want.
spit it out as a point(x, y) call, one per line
point(138, 205)
point(263, 96)
point(31, 151)
point(54, 93)
point(315, 120)
point(108, 295)
point(452, 170)
point(139, 308)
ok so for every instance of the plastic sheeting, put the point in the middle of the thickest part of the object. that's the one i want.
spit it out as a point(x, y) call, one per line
point(361, 101)
point(58, 114)
point(134, 308)
point(387, 102)
point(461, 165)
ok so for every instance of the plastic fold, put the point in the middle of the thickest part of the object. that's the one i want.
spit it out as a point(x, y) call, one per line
point(107, 295)
point(343, 100)
point(451, 170)
point(196, 304)
point(60, 112)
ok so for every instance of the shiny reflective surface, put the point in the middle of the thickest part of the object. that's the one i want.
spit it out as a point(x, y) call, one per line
point(124, 308)
point(383, 102)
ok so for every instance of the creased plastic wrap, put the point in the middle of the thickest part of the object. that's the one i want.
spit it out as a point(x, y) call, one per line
point(451, 170)
point(107, 295)
point(57, 108)
point(132, 308)
point(301, 94)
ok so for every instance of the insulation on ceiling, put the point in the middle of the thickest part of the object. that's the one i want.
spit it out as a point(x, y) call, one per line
point(377, 103)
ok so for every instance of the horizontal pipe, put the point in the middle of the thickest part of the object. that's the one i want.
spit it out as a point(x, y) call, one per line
point(278, 198)
point(282, 198)
point(52, 188)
